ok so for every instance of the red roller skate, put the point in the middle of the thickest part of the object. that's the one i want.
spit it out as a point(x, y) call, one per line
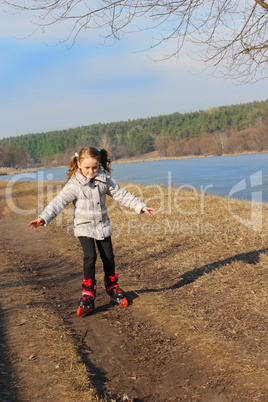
point(117, 295)
point(86, 302)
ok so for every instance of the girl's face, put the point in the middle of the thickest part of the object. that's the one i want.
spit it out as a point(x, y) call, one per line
point(89, 167)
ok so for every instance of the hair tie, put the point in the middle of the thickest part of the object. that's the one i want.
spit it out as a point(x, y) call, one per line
point(99, 150)
point(76, 155)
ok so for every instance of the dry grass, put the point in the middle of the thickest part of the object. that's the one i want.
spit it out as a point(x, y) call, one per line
point(200, 271)
point(47, 348)
point(208, 278)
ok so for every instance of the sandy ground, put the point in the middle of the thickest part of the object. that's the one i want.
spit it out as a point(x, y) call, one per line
point(195, 330)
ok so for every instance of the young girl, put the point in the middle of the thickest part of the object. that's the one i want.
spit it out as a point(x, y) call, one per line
point(87, 185)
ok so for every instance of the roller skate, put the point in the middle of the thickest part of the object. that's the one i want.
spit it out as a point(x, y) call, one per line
point(86, 302)
point(117, 295)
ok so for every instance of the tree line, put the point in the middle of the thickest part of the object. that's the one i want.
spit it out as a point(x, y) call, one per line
point(217, 131)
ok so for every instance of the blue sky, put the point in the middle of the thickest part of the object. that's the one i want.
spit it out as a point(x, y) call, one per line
point(46, 86)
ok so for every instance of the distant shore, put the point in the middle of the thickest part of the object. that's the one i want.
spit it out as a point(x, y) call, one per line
point(154, 156)
point(10, 171)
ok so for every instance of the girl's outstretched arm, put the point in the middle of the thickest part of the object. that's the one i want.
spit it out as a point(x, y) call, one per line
point(37, 222)
point(149, 211)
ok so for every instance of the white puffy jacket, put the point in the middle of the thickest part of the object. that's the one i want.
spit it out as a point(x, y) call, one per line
point(90, 217)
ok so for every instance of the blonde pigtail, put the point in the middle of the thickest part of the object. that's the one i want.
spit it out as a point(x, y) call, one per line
point(73, 167)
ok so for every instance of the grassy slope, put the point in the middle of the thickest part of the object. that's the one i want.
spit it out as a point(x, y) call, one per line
point(208, 277)
point(200, 273)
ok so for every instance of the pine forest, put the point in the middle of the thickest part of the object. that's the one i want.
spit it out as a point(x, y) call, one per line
point(220, 130)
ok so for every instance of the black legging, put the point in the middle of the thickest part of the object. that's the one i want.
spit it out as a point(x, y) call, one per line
point(90, 256)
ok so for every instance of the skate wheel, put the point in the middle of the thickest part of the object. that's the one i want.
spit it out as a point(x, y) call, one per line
point(79, 311)
point(124, 302)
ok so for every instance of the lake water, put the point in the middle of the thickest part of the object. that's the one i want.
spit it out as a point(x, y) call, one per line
point(237, 176)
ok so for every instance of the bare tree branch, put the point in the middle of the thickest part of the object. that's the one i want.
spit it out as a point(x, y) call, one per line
point(263, 4)
point(232, 34)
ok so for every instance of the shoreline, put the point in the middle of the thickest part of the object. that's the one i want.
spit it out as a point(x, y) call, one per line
point(151, 157)
point(10, 171)
point(160, 158)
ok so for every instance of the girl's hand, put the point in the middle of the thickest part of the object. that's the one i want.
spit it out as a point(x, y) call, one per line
point(149, 211)
point(37, 222)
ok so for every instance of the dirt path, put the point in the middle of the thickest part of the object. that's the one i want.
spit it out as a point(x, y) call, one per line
point(127, 355)
point(131, 353)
